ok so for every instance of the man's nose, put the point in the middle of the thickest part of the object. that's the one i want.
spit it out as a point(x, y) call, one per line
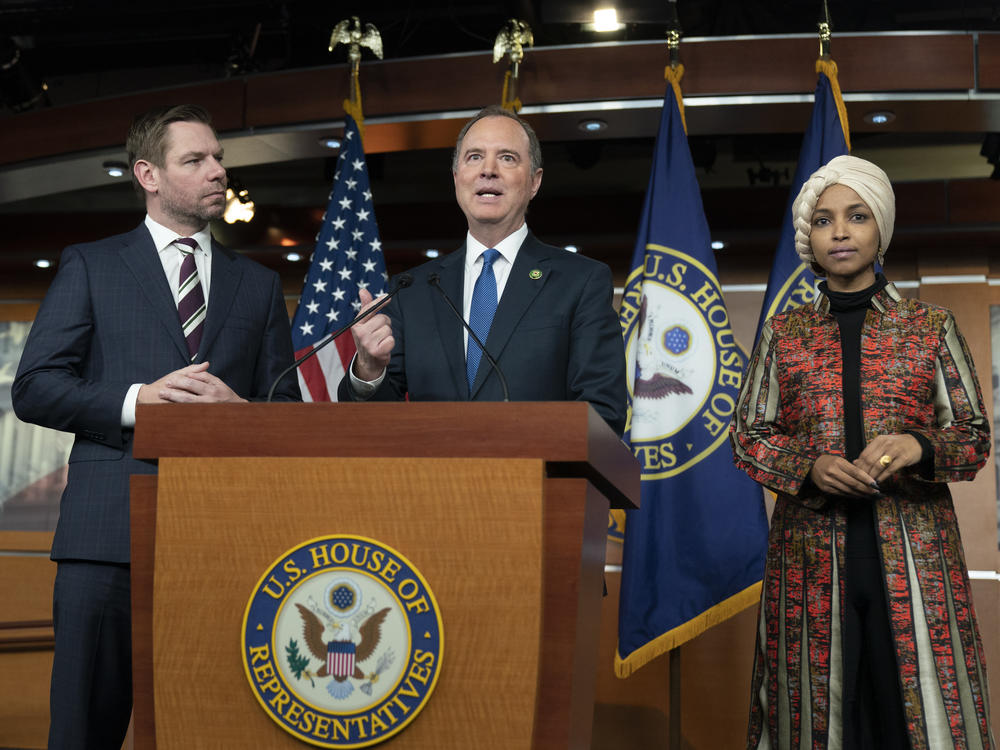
point(216, 171)
point(489, 165)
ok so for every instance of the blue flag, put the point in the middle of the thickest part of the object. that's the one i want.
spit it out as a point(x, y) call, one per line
point(694, 551)
point(792, 283)
point(347, 258)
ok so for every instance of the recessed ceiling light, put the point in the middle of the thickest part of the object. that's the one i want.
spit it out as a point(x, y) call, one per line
point(115, 168)
point(606, 19)
point(592, 126)
point(329, 141)
point(718, 245)
point(880, 117)
point(432, 253)
point(572, 248)
point(292, 257)
point(43, 263)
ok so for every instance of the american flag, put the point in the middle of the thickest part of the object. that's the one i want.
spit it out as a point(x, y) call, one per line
point(348, 257)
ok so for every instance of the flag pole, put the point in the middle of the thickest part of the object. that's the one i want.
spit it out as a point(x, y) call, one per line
point(510, 41)
point(673, 73)
point(350, 33)
point(825, 27)
point(347, 256)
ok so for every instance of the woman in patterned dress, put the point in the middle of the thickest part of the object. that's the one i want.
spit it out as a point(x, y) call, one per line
point(857, 411)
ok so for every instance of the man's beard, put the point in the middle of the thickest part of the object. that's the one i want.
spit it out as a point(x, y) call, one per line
point(194, 213)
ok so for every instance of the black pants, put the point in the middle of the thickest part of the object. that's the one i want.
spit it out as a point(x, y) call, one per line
point(91, 693)
point(873, 705)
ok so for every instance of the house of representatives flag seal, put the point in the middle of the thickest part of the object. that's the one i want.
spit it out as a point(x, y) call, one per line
point(342, 641)
point(684, 365)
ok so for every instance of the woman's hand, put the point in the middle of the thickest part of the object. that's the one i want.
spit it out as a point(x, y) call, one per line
point(835, 475)
point(887, 454)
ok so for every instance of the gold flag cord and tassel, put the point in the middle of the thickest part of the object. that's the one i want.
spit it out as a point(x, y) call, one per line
point(828, 67)
point(509, 87)
point(352, 105)
point(673, 75)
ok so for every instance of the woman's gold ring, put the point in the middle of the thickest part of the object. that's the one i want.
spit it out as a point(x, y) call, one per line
point(885, 460)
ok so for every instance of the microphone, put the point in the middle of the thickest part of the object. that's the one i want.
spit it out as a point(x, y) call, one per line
point(435, 281)
point(402, 281)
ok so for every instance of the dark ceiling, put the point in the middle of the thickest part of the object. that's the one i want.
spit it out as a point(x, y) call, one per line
point(592, 192)
point(101, 48)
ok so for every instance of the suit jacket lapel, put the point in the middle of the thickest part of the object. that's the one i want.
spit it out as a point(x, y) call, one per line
point(140, 256)
point(225, 281)
point(452, 272)
point(518, 294)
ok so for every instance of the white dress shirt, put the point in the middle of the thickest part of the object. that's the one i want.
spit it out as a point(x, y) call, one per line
point(170, 257)
point(474, 250)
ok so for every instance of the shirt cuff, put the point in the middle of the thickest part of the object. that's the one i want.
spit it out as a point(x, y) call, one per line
point(363, 389)
point(128, 407)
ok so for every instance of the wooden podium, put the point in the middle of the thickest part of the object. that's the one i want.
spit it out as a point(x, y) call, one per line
point(501, 507)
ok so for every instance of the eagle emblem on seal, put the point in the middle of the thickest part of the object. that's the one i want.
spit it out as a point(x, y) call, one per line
point(659, 384)
point(341, 647)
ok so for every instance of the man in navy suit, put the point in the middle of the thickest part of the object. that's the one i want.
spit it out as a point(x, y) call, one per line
point(108, 336)
point(555, 334)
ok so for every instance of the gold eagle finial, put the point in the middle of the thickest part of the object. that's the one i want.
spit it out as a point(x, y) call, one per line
point(512, 39)
point(355, 38)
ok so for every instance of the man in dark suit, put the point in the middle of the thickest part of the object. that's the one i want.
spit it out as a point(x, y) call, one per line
point(109, 335)
point(554, 332)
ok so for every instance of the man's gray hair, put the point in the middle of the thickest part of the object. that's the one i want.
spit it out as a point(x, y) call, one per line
point(495, 110)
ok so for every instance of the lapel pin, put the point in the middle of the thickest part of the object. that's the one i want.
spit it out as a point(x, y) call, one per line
point(534, 274)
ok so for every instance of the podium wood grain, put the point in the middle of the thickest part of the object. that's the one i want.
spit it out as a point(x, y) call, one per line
point(510, 537)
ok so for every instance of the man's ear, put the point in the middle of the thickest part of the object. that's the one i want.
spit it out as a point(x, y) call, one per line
point(146, 175)
point(536, 182)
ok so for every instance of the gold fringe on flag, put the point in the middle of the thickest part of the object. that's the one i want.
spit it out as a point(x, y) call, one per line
point(828, 67)
point(673, 74)
point(683, 633)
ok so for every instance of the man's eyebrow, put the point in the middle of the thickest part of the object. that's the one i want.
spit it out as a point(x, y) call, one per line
point(202, 154)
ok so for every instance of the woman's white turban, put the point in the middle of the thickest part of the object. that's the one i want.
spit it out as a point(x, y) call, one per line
point(864, 178)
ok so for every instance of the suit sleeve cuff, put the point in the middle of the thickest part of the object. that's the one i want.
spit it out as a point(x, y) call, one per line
point(363, 389)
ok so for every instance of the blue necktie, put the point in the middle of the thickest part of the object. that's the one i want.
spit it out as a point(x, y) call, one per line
point(484, 307)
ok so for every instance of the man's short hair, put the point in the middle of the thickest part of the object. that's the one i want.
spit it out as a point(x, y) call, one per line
point(495, 110)
point(147, 137)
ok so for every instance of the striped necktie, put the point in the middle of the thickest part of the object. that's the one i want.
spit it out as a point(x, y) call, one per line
point(484, 307)
point(190, 297)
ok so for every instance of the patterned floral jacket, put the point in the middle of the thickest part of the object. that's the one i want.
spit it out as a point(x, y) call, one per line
point(916, 375)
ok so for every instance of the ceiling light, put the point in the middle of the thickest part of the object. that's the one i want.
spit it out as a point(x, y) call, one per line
point(572, 248)
point(329, 141)
point(432, 253)
point(606, 19)
point(292, 257)
point(592, 126)
point(115, 168)
point(43, 263)
point(880, 117)
point(239, 207)
point(718, 245)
